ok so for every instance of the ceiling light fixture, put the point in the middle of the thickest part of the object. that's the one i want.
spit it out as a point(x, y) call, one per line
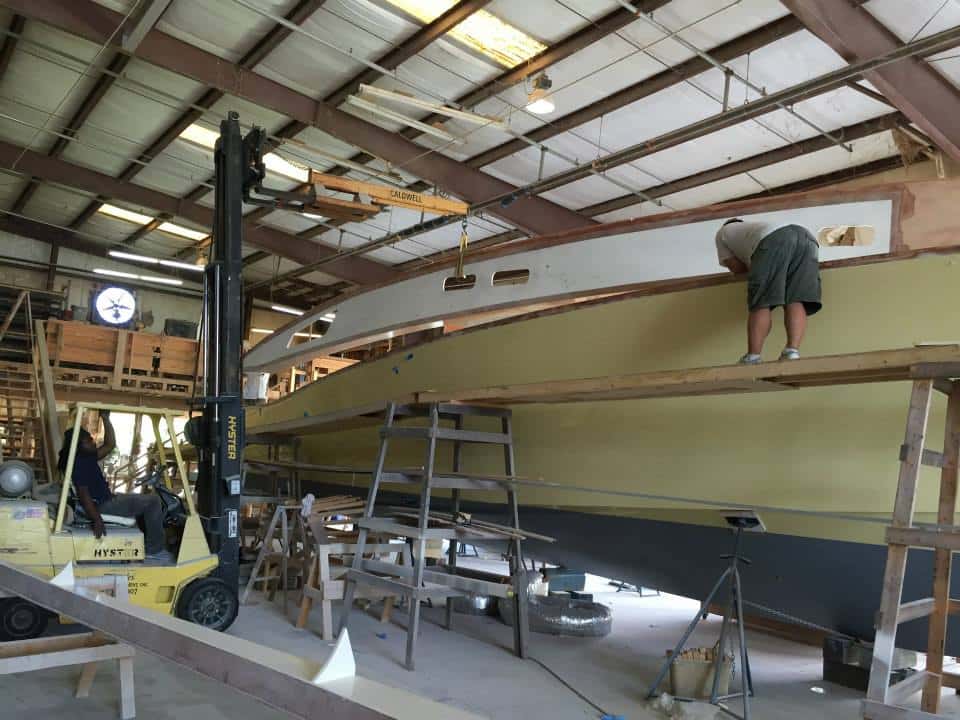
point(288, 310)
point(261, 331)
point(403, 119)
point(132, 256)
point(133, 276)
point(538, 101)
point(116, 273)
point(182, 265)
point(380, 93)
point(119, 254)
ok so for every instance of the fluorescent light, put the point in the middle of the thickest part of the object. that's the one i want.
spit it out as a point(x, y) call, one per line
point(309, 336)
point(182, 231)
point(261, 331)
point(288, 310)
point(132, 276)
point(403, 119)
point(155, 261)
point(124, 214)
point(134, 257)
point(427, 105)
point(330, 317)
point(277, 164)
point(482, 31)
point(116, 273)
point(161, 280)
point(182, 265)
point(199, 135)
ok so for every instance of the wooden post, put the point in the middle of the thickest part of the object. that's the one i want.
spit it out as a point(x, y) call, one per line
point(119, 359)
point(937, 632)
point(884, 642)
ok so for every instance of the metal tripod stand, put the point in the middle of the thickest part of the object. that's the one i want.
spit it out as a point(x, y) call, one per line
point(734, 609)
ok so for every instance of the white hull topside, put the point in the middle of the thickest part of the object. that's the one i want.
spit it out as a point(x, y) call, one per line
point(661, 248)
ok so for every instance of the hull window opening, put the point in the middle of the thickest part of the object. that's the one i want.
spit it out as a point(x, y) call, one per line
point(846, 235)
point(510, 277)
point(459, 283)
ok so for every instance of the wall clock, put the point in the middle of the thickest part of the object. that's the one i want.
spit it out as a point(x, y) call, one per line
point(115, 305)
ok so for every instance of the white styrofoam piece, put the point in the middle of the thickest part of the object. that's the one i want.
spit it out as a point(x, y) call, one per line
point(340, 663)
point(574, 268)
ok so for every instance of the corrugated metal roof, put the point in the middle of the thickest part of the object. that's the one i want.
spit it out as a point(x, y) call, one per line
point(44, 85)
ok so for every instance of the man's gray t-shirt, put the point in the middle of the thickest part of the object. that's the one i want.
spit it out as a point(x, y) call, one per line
point(740, 239)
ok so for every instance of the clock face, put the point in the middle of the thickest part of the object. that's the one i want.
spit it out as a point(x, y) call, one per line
point(115, 305)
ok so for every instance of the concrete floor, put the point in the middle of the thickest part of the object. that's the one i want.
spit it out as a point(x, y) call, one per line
point(472, 668)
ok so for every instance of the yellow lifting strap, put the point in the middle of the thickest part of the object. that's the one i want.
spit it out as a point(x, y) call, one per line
point(464, 239)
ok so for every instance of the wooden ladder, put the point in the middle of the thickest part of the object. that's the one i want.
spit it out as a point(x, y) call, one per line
point(885, 702)
point(417, 583)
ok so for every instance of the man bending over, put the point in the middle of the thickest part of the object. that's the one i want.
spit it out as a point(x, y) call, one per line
point(96, 498)
point(784, 270)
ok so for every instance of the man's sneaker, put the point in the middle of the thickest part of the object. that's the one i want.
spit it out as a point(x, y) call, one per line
point(750, 359)
point(164, 557)
point(790, 354)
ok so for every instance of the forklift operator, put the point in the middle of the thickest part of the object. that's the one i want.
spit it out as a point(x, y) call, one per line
point(97, 500)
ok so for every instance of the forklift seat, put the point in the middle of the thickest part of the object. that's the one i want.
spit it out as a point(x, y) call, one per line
point(80, 519)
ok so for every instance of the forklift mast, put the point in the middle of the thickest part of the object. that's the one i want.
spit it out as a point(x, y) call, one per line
point(220, 434)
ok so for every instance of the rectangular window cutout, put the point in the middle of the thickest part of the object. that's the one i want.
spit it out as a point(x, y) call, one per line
point(511, 277)
point(459, 283)
point(846, 235)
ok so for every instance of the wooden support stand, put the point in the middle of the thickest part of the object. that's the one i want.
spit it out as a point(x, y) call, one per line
point(884, 702)
point(288, 529)
point(325, 582)
point(86, 649)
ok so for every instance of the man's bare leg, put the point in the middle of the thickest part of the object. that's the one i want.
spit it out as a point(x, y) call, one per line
point(758, 327)
point(795, 321)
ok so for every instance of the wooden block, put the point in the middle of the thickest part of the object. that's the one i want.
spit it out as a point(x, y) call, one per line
point(128, 708)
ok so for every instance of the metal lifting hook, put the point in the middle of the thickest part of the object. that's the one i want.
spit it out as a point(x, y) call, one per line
point(464, 240)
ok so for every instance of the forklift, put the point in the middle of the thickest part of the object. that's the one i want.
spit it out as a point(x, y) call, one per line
point(202, 583)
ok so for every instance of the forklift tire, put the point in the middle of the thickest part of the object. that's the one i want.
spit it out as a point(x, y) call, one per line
point(209, 602)
point(21, 620)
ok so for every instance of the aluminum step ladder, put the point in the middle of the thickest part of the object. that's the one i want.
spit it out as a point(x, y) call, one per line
point(417, 583)
point(885, 702)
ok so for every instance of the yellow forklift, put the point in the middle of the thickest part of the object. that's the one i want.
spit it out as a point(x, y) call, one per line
point(202, 585)
point(43, 539)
